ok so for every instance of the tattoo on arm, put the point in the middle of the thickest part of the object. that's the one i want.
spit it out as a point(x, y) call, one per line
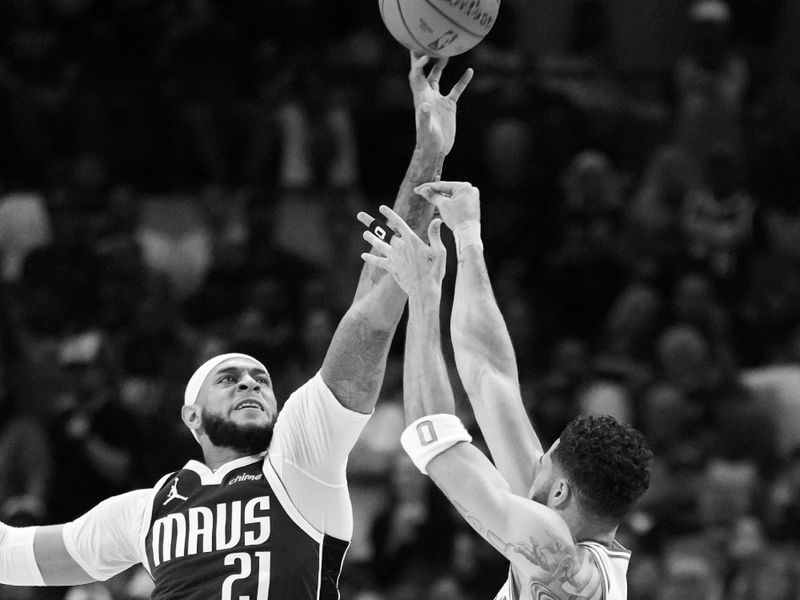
point(353, 368)
point(564, 572)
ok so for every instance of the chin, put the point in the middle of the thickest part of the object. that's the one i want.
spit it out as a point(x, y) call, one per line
point(249, 437)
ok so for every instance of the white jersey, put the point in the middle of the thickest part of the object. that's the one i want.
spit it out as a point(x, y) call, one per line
point(611, 562)
point(308, 453)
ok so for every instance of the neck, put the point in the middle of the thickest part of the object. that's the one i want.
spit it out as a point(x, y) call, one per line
point(216, 456)
point(586, 529)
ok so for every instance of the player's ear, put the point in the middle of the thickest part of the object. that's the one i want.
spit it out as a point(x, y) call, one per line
point(560, 492)
point(191, 416)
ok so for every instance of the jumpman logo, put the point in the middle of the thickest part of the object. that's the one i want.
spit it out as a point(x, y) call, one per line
point(173, 493)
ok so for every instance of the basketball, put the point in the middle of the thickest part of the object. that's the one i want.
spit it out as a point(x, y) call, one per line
point(439, 27)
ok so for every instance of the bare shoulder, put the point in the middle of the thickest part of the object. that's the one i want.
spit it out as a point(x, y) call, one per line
point(552, 570)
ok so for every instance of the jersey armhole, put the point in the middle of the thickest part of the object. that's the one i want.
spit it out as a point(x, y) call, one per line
point(283, 497)
point(146, 518)
point(601, 568)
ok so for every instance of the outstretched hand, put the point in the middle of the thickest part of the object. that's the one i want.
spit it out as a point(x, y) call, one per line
point(435, 113)
point(418, 268)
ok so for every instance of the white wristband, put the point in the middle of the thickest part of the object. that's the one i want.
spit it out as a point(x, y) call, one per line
point(429, 436)
point(17, 561)
point(467, 234)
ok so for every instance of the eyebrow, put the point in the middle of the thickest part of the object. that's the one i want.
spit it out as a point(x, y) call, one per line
point(237, 370)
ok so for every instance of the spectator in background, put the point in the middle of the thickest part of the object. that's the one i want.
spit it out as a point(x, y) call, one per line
point(690, 574)
point(674, 429)
point(587, 269)
point(24, 225)
point(25, 472)
point(782, 509)
point(711, 79)
point(95, 439)
point(554, 400)
point(413, 536)
point(176, 242)
point(772, 574)
point(513, 177)
point(651, 230)
point(625, 348)
point(717, 219)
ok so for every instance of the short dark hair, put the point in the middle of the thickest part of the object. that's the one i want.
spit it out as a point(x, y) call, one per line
point(606, 462)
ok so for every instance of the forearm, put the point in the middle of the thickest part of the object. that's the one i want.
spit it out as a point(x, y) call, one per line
point(56, 564)
point(414, 210)
point(487, 366)
point(354, 365)
point(426, 387)
point(356, 360)
point(37, 556)
point(480, 336)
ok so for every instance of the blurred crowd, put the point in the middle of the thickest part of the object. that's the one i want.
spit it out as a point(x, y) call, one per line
point(180, 178)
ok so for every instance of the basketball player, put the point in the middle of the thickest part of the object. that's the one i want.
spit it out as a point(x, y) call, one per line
point(267, 514)
point(553, 514)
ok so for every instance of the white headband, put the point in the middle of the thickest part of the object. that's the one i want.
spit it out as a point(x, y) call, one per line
point(199, 376)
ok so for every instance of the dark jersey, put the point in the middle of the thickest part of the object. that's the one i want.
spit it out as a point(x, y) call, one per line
point(234, 534)
point(255, 529)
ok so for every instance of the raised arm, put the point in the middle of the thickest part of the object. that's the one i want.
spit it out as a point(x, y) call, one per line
point(533, 537)
point(354, 365)
point(482, 345)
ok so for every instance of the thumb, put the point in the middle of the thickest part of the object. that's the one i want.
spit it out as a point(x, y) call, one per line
point(433, 190)
point(435, 236)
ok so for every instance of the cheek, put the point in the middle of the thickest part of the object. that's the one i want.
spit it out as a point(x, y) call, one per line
point(541, 487)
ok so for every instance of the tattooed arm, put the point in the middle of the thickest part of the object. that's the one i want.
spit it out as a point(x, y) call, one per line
point(356, 359)
point(533, 537)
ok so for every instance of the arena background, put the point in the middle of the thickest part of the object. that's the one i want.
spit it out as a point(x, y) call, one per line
point(179, 178)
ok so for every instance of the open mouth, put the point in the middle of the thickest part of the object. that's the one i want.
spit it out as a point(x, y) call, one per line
point(249, 404)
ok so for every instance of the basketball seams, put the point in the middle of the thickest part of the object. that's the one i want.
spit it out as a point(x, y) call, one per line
point(453, 21)
point(425, 49)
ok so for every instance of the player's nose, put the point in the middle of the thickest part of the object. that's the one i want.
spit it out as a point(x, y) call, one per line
point(248, 383)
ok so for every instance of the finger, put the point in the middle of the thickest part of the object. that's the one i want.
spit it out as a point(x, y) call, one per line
point(418, 62)
point(416, 56)
point(381, 230)
point(435, 236)
point(461, 85)
point(377, 243)
point(375, 260)
point(436, 72)
point(396, 222)
point(365, 219)
point(434, 190)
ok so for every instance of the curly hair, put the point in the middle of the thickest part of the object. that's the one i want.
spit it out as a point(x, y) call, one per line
point(607, 462)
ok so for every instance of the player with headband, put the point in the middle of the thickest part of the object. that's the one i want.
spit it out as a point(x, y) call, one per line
point(553, 514)
point(267, 514)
